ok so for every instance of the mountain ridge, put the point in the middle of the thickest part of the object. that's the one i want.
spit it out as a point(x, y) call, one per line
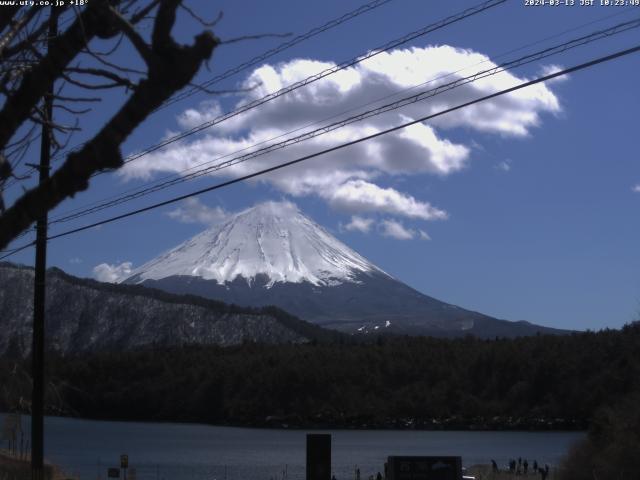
point(87, 315)
point(272, 254)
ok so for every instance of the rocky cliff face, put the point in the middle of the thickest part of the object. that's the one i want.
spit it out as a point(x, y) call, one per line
point(85, 315)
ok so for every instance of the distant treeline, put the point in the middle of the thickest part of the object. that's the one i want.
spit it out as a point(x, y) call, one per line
point(533, 382)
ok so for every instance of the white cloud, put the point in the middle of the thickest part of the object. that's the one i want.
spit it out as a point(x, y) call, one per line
point(423, 235)
point(361, 196)
point(476, 146)
point(112, 273)
point(504, 165)
point(349, 178)
point(359, 224)
point(75, 260)
point(394, 229)
point(194, 211)
point(191, 117)
point(549, 69)
point(636, 188)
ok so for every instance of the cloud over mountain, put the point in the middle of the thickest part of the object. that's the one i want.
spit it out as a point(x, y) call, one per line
point(192, 210)
point(359, 224)
point(106, 272)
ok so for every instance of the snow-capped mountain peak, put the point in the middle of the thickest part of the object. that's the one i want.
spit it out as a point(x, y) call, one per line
point(273, 239)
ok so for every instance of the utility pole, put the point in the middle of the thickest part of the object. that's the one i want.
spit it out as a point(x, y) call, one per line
point(37, 349)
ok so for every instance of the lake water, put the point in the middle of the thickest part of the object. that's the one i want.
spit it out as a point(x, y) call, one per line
point(162, 451)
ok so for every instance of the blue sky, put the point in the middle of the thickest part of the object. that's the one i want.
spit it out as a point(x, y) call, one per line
point(529, 206)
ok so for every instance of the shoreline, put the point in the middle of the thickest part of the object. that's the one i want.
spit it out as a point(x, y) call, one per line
point(485, 472)
point(399, 425)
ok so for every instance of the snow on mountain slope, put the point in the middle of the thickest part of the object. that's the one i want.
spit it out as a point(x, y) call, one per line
point(273, 239)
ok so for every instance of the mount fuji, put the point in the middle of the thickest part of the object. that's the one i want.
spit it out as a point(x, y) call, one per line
point(272, 254)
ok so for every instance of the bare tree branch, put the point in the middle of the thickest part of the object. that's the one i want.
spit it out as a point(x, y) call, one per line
point(172, 67)
point(134, 37)
point(99, 72)
point(199, 19)
point(9, 51)
point(6, 15)
point(140, 15)
point(72, 111)
point(166, 17)
point(5, 168)
point(62, 146)
point(107, 52)
point(5, 174)
point(119, 82)
point(22, 139)
point(77, 99)
point(18, 106)
point(16, 26)
point(100, 58)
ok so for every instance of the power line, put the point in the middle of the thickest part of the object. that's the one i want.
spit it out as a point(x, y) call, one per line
point(274, 51)
point(389, 45)
point(606, 17)
point(16, 250)
point(313, 78)
point(586, 39)
point(520, 86)
point(265, 55)
point(320, 75)
point(136, 190)
point(544, 78)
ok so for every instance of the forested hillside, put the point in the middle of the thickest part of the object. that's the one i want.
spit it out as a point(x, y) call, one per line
point(88, 316)
point(532, 382)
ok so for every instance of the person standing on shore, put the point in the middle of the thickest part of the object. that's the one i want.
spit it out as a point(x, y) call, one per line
point(544, 472)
